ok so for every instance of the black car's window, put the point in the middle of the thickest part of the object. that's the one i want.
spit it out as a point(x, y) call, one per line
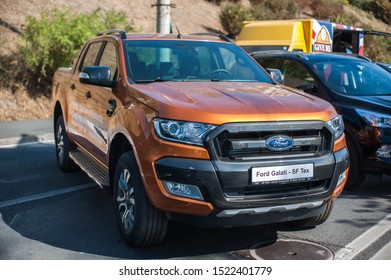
point(90, 57)
point(109, 58)
point(354, 77)
point(295, 74)
point(180, 60)
point(274, 63)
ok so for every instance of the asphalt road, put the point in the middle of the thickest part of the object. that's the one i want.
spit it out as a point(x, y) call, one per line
point(47, 214)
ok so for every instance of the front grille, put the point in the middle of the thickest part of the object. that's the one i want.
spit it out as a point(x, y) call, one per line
point(247, 142)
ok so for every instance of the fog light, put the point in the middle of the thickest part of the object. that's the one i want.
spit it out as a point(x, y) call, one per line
point(341, 177)
point(183, 190)
point(384, 151)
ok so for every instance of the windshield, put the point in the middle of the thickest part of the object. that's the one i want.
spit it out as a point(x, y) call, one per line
point(354, 77)
point(181, 60)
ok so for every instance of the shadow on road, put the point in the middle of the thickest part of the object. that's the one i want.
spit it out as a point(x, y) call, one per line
point(83, 221)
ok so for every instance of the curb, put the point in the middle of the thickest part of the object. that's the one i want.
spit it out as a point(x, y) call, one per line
point(26, 139)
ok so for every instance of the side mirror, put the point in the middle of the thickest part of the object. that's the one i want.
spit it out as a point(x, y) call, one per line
point(308, 88)
point(276, 75)
point(97, 76)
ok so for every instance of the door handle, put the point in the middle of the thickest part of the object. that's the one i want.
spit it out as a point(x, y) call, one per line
point(88, 94)
point(112, 104)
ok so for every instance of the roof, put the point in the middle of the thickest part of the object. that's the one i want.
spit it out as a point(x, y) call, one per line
point(158, 36)
point(313, 56)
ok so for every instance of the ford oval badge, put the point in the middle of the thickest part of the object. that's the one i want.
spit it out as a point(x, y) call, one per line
point(279, 143)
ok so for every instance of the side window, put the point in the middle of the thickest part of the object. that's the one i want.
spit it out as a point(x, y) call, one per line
point(296, 74)
point(205, 60)
point(235, 65)
point(270, 63)
point(90, 57)
point(109, 58)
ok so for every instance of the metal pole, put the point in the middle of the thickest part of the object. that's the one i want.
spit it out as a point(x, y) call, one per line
point(163, 20)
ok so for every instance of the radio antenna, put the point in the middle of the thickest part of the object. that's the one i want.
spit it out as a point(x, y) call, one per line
point(176, 26)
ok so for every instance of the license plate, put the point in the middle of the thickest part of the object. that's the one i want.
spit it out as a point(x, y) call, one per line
point(284, 173)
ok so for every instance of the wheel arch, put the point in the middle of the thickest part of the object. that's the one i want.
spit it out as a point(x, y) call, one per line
point(350, 133)
point(119, 145)
point(57, 112)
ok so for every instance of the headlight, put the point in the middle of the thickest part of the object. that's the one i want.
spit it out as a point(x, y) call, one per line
point(375, 119)
point(183, 132)
point(337, 125)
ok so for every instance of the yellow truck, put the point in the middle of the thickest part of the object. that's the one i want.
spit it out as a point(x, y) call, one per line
point(307, 35)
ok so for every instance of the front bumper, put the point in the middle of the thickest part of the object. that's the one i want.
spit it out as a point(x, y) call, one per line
point(237, 201)
point(372, 140)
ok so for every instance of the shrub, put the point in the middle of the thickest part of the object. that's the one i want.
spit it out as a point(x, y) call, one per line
point(218, 2)
point(277, 9)
point(378, 48)
point(358, 3)
point(346, 17)
point(231, 18)
point(381, 9)
point(53, 41)
point(323, 9)
point(232, 15)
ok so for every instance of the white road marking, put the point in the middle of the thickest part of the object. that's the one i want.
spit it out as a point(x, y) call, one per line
point(365, 240)
point(46, 195)
point(384, 253)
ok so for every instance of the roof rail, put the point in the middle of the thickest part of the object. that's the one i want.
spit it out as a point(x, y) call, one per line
point(221, 36)
point(269, 51)
point(119, 32)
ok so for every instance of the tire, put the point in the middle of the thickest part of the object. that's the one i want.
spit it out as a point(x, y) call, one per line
point(355, 176)
point(317, 220)
point(63, 147)
point(139, 222)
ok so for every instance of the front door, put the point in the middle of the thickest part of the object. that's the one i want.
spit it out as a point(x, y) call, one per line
point(100, 104)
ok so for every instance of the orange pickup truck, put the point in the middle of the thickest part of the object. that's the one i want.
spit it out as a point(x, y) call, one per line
point(191, 128)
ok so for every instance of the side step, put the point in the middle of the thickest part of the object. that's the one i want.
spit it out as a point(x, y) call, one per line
point(92, 167)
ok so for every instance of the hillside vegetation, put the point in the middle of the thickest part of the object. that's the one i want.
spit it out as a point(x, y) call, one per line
point(37, 36)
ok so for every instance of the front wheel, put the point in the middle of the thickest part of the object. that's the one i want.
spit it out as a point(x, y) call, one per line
point(139, 222)
point(63, 147)
point(317, 220)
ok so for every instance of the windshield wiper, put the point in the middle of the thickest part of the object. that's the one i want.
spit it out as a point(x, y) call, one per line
point(233, 80)
point(158, 79)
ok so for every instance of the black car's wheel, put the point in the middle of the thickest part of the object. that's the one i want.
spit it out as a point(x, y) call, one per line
point(355, 176)
point(139, 222)
point(63, 147)
point(317, 220)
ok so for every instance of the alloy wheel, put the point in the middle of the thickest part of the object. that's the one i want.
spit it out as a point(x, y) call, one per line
point(126, 201)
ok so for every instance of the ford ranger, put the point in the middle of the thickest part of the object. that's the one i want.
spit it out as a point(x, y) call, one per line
point(191, 128)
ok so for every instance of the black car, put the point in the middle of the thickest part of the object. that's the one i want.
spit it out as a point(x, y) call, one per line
point(359, 90)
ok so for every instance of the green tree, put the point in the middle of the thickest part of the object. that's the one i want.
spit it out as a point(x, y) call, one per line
point(54, 39)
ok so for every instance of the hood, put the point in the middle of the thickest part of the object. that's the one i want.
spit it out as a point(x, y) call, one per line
point(221, 102)
point(374, 103)
point(381, 101)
